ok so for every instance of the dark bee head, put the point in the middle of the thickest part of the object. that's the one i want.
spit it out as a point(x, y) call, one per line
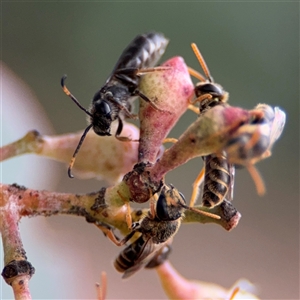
point(209, 88)
point(170, 204)
point(213, 89)
point(208, 92)
point(101, 115)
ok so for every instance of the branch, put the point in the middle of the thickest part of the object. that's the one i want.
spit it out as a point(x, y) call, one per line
point(87, 165)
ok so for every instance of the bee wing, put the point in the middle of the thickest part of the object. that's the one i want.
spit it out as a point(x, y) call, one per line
point(229, 195)
point(160, 257)
point(147, 253)
point(143, 51)
point(277, 125)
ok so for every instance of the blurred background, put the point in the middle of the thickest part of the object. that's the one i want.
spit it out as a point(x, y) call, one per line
point(252, 50)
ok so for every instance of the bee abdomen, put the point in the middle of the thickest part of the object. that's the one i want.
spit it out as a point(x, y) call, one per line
point(143, 52)
point(129, 255)
point(217, 180)
point(122, 262)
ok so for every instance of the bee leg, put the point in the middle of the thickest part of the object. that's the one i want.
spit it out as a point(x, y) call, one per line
point(128, 216)
point(253, 140)
point(108, 232)
point(194, 108)
point(257, 114)
point(258, 181)
point(118, 132)
point(150, 101)
point(170, 140)
point(152, 207)
point(201, 98)
point(128, 213)
point(153, 200)
point(266, 154)
point(150, 70)
point(128, 113)
point(132, 72)
point(196, 185)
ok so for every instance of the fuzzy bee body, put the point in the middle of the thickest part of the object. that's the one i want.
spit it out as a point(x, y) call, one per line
point(157, 229)
point(138, 255)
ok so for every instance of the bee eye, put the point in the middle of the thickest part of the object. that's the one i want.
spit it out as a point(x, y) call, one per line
point(102, 107)
point(209, 88)
point(161, 208)
point(166, 211)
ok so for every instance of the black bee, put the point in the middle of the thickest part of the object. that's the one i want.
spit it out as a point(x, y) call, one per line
point(218, 174)
point(113, 101)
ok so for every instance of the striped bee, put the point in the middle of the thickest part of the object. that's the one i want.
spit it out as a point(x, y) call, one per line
point(216, 179)
point(155, 232)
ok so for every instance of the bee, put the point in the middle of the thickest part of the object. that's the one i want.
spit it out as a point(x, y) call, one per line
point(156, 230)
point(217, 176)
point(254, 139)
point(249, 144)
point(114, 100)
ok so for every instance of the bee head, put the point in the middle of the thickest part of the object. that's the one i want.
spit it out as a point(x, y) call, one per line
point(101, 116)
point(170, 204)
point(210, 88)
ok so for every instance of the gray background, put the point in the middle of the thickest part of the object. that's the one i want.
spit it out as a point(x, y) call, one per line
point(252, 50)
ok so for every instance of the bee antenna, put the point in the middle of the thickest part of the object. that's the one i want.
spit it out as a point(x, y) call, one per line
point(202, 62)
point(77, 149)
point(68, 93)
point(258, 181)
point(201, 212)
